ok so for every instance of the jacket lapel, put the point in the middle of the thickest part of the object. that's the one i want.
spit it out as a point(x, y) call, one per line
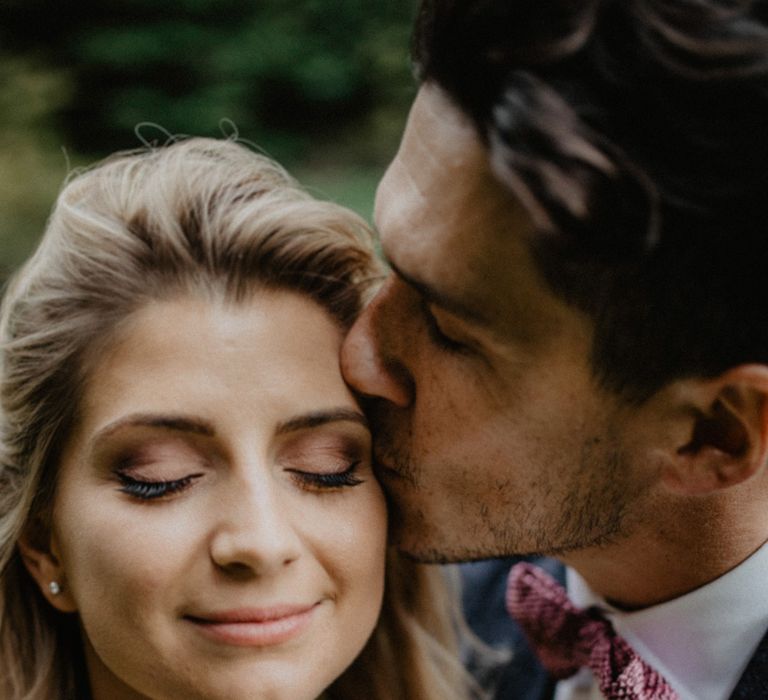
point(754, 681)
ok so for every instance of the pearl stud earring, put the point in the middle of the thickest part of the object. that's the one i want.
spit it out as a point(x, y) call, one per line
point(54, 588)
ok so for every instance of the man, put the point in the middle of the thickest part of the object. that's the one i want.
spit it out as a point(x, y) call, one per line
point(570, 356)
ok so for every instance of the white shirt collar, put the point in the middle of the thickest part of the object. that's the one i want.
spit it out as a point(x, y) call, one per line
point(700, 642)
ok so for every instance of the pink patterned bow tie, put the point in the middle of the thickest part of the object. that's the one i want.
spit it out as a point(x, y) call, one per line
point(566, 638)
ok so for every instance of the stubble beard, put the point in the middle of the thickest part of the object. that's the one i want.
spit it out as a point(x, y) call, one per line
point(594, 507)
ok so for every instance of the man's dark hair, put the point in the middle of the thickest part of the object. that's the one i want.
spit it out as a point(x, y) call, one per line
point(636, 133)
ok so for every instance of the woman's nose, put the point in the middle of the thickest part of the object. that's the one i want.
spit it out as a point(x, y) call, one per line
point(370, 361)
point(255, 532)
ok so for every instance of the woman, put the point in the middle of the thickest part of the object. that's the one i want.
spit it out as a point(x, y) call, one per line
point(188, 508)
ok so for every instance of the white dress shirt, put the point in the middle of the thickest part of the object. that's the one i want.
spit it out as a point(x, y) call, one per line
point(700, 642)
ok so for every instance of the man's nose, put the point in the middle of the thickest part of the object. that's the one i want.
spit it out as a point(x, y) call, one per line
point(370, 360)
point(255, 533)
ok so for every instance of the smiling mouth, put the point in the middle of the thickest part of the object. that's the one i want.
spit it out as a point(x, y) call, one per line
point(255, 627)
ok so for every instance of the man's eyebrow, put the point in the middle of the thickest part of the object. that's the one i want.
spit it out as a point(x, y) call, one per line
point(180, 424)
point(323, 417)
point(449, 304)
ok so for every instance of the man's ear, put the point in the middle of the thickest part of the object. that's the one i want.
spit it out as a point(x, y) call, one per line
point(42, 562)
point(728, 436)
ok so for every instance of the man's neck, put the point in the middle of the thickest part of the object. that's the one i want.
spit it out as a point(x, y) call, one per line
point(695, 544)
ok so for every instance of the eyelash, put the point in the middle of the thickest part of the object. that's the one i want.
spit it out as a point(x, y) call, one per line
point(335, 480)
point(438, 337)
point(151, 490)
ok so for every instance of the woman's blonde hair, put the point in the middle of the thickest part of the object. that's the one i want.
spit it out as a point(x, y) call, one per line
point(196, 216)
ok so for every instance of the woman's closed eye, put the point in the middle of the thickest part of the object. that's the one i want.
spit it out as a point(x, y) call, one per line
point(323, 461)
point(150, 489)
point(156, 468)
point(322, 480)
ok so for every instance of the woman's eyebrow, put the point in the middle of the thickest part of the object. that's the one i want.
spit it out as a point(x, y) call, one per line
point(321, 417)
point(199, 426)
point(174, 423)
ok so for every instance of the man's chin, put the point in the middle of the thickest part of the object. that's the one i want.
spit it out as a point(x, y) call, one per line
point(430, 545)
point(415, 537)
point(429, 553)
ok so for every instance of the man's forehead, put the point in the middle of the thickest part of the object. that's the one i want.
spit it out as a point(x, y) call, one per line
point(447, 222)
point(439, 207)
point(439, 144)
point(432, 192)
point(437, 122)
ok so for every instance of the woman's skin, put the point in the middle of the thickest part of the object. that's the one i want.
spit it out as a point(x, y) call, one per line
point(217, 526)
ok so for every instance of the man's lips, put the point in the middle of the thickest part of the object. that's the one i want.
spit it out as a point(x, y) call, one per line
point(255, 627)
point(382, 470)
point(385, 471)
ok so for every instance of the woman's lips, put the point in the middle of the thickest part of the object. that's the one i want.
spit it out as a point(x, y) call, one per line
point(255, 627)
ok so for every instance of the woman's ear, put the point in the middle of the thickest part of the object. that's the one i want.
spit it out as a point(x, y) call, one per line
point(39, 554)
point(728, 437)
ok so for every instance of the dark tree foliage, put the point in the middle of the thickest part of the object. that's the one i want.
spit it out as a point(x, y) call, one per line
point(285, 72)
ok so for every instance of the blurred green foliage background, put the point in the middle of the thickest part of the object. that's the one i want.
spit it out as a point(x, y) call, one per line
point(321, 85)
